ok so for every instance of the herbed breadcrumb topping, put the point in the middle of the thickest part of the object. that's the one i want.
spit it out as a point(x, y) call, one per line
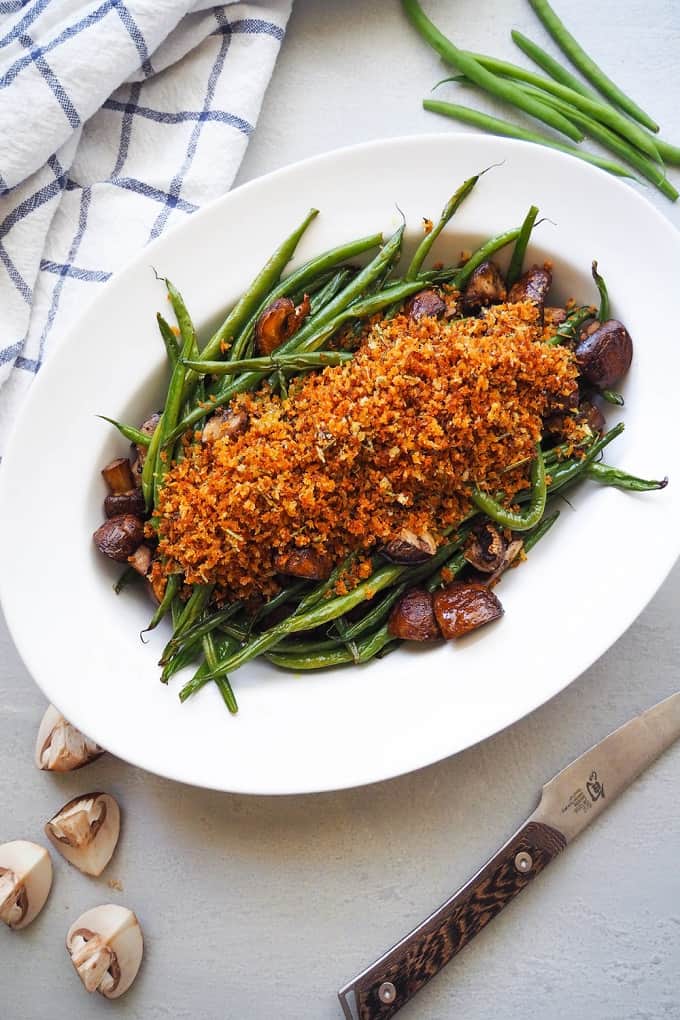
point(392, 440)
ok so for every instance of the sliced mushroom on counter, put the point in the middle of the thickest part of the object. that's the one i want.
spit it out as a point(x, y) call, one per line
point(278, 322)
point(532, 286)
point(304, 562)
point(119, 537)
point(131, 502)
point(25, 882)
point(138, 456)
point(60, 747)
point(408, 547)
point(224, 424)
point(604, 354)
point(118, 475)
point(412, 617)
point(106, 947)
point(485, 548)
point(425, 303)
point(485, 287)
point(85, 831)
point(464, 606)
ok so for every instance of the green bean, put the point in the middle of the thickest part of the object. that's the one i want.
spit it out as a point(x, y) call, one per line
point(603, 313)
point(193, 608)
point(198, 631)
point(169, 339)
point(149, 468)
point(522, 520)
point(587, 66)
point(294, 361)
point(570, 470)
point(285, 595)
point(305, 647)
point(224, 647)
point(172, 587)
point(368, 649)
point(612, 397)
point(453, 566)
point(423, 249)
point(669, 153)
point(550, 65)
point(503, 127)
point(128, 575)
point(594, 108)
point(567, 329)
point(519, 251)
point(222, 682)
point(541, 529)
point(328, 292)
point(470, 66)
point(462, 275)
point(349, 644)
point(320, 590)
point(129, 431)
point(607, 475)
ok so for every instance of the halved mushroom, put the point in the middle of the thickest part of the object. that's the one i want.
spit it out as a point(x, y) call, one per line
point(408, 547)
point(278, 322)
point(118, 475)
point(138, 457)
point(25, 882)
point(412, 618)
point(131, 502)
point(463, 606)
point(60, 747)
point(604, 354)
point(485, 287)
point(485, 548)
point(425, 303)
point(512, 551)
point(532, 286)
point(304, 562)
point(119, 537)
point(224, 424)
point(86, 830)
point(106, 947)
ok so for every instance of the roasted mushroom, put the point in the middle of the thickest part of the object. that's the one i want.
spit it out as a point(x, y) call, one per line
point(408, 547)
point(138, 457)
point(412, 618)
point(532, 286)
point(425, 303)
point(85, 831)
point(512, 551)
point(304, 562)
point(554, 316)
point(463, 606)
point(485, 287)
point(278, 322)
point(119, 537)
point(592, 415)
point(131, 502)
point(485, 548)
point(118, 475)
point(106, 947)
point(60, 747)
point(141, 560)
point(25, 882)
point(224, 424)
point(604, 355)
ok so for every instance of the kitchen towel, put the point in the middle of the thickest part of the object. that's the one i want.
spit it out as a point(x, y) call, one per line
point(118, 119)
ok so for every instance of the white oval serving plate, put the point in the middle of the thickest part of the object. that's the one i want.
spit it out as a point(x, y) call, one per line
point(582, 587)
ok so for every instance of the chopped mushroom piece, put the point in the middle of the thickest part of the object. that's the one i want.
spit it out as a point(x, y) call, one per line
point(118, 475)
point(224, 424)
point(592, 415)
point(25, 882)
point(511, 553)
point(410, 548)
point(86, 830)
point(485, 287)
point(141, 560)
point(278, 322)
point(485, 548)
point(304, 562)
point(462, 607)
point(425, 303)
point(131, 502)
point(148, 427)
point(554, 316)
point(412, 618)
point(532, 286)
point(106, 947)
point(604, 355)
point(119, 537)
point(60, 747)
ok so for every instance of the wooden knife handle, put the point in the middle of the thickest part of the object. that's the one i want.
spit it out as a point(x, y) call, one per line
point(387, 985)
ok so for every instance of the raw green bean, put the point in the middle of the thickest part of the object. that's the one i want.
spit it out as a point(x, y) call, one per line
point(519, 251)
point(669, 153)
point(169, 339)
point(294, 361)
point(129, 431)
point(198, 630)
point(603, 313)
point(607, 475)
point(567, 329)
point(523, 520)
point(503, 127)
point(462, 275)
point(612, 397)
point(587, 66)
point(550, 65)
point(423, 249)
point(172, 586)
point(470, 66)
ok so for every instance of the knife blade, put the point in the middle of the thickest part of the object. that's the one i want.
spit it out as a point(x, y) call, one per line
point(569, 802)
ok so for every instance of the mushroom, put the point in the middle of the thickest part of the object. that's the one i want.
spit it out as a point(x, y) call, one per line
point(592, 415)
point(532, 286)
point(119, 536)
point(464, 606)
point(412, 618)
point(408, 547)
point(425, 303)
point(141, 560)
point(278, 322)
point(106, 947)
point(604, 353)
point(304, 562)
point(485, 287)
point(224, 424)
point(25, 882)
point(118, 475)
point(512, 551)
point(148, 427)
point(60, 747)
point(86, 830)
point(554, 317)
point(485, 548)
point(131, 502)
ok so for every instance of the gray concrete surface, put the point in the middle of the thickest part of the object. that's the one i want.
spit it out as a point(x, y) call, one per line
point(261, 908)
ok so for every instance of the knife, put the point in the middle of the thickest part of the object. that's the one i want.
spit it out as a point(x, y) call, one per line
point(570, 801)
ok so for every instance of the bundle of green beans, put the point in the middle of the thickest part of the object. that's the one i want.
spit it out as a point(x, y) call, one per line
point(561, 101)
point(320, 628)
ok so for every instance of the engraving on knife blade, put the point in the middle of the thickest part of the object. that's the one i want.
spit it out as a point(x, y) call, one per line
point(582, 800)
point(594, 787)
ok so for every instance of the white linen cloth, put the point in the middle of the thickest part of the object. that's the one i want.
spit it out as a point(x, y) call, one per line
point(118, 118)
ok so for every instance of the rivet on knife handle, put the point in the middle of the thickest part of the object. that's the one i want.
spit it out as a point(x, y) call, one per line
point(396, 977)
